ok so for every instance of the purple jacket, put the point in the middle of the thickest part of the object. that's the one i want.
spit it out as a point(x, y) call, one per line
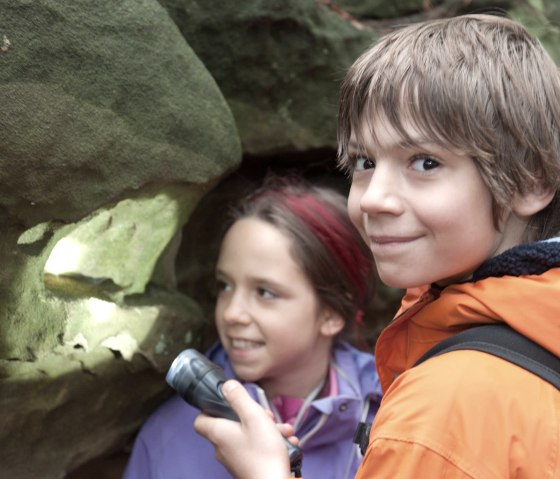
point(167, 447)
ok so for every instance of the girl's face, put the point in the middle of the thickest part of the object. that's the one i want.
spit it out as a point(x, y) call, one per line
point(268, 315)
point(425, 211)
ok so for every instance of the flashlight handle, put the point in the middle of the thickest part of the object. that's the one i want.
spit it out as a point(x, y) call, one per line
point(224, 410)
point(199, 382)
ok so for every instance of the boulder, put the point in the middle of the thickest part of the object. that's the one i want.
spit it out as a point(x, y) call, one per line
point(111, 132)
point(278, 64)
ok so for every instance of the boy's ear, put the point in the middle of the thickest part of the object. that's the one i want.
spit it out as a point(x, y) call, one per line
point(529, 203)
point(332, 323)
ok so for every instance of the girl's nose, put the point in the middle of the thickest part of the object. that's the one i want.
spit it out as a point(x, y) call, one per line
point(235, 309)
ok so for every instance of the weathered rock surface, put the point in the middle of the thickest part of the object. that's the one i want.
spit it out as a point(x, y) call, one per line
point(278, 64)
point(122, 128)
point(111, 131)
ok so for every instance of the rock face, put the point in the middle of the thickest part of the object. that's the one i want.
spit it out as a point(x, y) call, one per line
point(122, 130)
point(100, 100)
point(111, 131)
point(279, 65)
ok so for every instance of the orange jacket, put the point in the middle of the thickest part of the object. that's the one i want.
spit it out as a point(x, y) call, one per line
point(467, 414)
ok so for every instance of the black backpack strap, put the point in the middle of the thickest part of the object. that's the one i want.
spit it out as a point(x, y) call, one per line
point(361, 436)
point(502, 341)
point(499, 340)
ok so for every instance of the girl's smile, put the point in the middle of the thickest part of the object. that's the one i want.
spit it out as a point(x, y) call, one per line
point(268, 315)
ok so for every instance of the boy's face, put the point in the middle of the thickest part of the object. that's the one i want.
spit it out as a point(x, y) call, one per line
point(425, 211)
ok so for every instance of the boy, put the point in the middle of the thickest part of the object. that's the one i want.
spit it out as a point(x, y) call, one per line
point(451, 131)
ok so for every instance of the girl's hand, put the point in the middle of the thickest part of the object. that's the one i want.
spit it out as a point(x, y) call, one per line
point(250, 449)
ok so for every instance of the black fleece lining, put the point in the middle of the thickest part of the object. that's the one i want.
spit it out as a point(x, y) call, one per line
point(531, 258)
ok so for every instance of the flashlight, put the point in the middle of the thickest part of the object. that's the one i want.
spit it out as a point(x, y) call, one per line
point(199, 382)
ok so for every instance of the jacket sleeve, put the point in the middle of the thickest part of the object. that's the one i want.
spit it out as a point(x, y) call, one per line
point(463, 415)
point(426, 426)
point(388, 459)
point(139, 463)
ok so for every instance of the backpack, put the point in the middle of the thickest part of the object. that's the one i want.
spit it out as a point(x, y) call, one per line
point(496, 339)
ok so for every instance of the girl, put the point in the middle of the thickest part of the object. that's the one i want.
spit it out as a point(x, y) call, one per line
point(293, 277)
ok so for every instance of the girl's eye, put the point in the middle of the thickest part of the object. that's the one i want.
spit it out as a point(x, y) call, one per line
point(361, 163)
point(424, 163)
point(222, 285)
point(266, 293)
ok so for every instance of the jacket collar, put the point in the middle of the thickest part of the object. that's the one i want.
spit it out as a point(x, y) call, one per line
point(519, 287)
point(358, 384)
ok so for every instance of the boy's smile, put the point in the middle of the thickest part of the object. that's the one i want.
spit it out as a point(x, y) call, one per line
point(424, 210)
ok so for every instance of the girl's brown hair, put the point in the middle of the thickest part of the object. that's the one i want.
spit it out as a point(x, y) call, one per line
point(325, 244)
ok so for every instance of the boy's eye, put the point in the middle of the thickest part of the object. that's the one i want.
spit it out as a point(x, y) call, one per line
point(361, 163)
point(424, 163)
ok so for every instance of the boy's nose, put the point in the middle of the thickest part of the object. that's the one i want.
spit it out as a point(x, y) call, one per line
point(382, 195)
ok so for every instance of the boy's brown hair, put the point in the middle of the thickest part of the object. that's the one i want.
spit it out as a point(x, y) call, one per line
point(478, 83)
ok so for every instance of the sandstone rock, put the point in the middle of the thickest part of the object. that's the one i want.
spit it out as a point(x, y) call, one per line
point(279, 65)
point(99, 99)
point(111, 131)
